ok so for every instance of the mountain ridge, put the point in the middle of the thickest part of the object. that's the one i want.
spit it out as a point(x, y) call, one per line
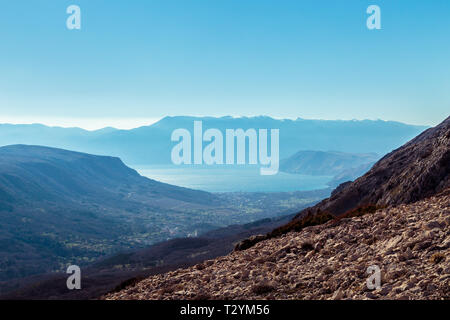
point(326, 163)
point(37, 163)
point(414, 171)
point(58, 206)
point(152, 144)
point(418, 169)
point(395, 217)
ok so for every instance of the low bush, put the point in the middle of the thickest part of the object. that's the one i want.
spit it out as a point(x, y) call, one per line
point(262, 289)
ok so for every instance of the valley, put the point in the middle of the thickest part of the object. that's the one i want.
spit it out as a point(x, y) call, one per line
point(394, 219)
point(327, 261)
point(61, 207)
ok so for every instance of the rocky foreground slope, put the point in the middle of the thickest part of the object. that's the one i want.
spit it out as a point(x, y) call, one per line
point(410, 244)
point(417, 170)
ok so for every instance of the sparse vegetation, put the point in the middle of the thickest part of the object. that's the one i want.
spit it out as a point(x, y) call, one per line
point(327, 270)
point(307, 246)
point(299, 224)
point(128, 283)
point(263, 288)
point(89, 207)
point(437, 257)
point(360, 211)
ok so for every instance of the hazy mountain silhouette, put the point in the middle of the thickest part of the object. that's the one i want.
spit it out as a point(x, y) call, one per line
point(152, 144)
point(325, 163)
point(350, 174)
point(42, 173)
point(341, 165)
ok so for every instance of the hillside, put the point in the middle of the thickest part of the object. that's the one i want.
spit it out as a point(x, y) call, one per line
point(60, 207)
point(325, 163)
point(152, 144)
point(350, 174)
point(385, 218)
point(418, 169)
point(342, 166)
point(120, 269)
point(138, 260)
point(409, 243)
point(30, 173)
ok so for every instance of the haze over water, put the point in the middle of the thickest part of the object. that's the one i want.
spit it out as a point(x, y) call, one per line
point(232, 178)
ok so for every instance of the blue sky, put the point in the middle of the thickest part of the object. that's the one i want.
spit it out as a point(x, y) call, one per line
point(135, 61)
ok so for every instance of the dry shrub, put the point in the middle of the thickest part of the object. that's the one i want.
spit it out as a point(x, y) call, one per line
point(360, 211)
point(262, 289)
point(437, 258)
point(299, 224)
point(307, 246)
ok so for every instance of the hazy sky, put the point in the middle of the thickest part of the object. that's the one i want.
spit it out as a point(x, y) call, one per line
point(135, 61)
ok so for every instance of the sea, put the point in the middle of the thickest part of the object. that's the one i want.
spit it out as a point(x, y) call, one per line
point(234, 178)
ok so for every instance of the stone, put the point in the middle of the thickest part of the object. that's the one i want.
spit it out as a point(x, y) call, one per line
point(338, 295)
point(433, 225)
point(337, 271)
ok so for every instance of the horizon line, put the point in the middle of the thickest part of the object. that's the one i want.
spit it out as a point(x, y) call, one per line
point(96, 124)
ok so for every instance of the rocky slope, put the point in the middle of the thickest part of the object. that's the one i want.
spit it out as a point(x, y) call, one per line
point(152, 144)
point(418, 169)
point(385, 218)
point(123, 268)
point(409, 243)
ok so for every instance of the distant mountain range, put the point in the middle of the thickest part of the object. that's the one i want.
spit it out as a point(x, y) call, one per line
point(152, 144)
